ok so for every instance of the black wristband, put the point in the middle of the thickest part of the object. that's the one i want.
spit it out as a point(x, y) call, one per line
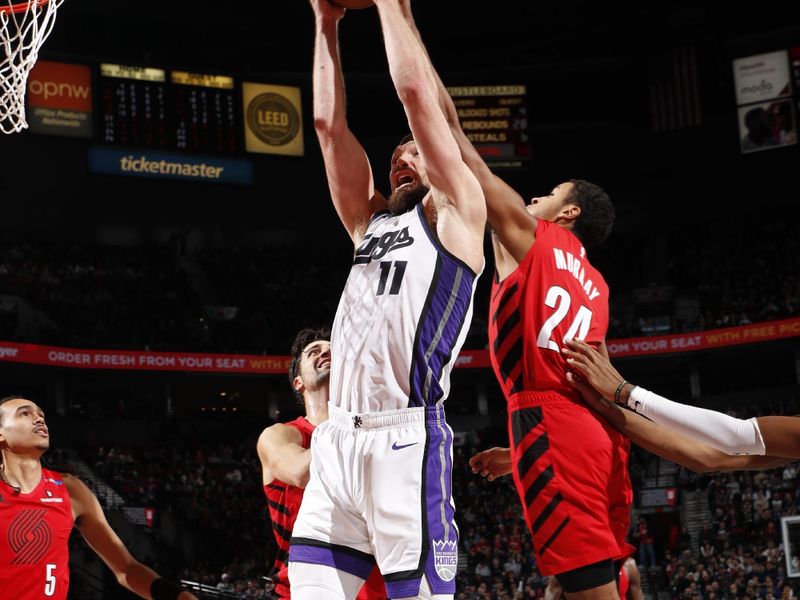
point(164, 589)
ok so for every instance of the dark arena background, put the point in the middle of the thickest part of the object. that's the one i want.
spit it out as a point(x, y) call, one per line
point(149, 309)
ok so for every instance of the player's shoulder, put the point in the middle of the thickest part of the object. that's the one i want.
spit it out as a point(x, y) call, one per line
point(82, 498)
point(73, 483)
point(280, 433)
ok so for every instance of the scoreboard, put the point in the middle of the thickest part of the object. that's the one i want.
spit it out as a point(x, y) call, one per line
point(192, 112)
point(495, 119)
point(133, 106)
point(159, 123)
point(205, 113)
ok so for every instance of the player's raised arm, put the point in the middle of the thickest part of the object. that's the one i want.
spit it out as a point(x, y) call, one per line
point(512, 224)
point(130, 573)
point(283, 456)
point(416, 87)
point(349, 173)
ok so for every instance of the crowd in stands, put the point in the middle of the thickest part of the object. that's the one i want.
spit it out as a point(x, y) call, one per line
point(494, 539)
point(731, 272)
point(88, 295)
point(215, 493)
point(236, 298)
point(756, 273)
point(740, 552)
point(265, 283)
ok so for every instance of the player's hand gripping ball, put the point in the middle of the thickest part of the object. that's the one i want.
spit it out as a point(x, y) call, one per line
point(353, 3)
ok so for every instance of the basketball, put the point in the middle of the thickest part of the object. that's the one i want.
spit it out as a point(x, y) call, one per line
point(353, 3)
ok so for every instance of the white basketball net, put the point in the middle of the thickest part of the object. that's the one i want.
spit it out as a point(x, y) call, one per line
point(21, 35)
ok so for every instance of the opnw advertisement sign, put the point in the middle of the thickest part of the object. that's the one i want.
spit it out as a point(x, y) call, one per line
point(60, 99)
point(273, 119)
point(164, 165)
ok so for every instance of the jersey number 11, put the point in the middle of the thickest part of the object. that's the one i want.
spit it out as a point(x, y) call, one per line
point(399, 271)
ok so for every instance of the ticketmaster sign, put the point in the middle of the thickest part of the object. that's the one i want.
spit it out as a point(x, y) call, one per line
point(162, 165)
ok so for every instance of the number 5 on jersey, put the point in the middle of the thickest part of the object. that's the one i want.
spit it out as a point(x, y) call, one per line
point(50, 580)
point(559, 299)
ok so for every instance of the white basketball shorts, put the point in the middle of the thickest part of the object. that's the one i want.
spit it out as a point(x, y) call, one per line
point(380, 492)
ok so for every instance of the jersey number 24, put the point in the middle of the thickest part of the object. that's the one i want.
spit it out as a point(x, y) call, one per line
point(559, 299)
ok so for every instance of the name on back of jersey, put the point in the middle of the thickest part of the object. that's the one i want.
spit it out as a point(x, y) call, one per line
point(565, 261)
point(375, 247)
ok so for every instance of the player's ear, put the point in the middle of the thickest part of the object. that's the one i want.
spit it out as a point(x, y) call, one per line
point(569, 213)
point(297, 384)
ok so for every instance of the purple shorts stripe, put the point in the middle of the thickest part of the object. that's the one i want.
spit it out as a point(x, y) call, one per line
point(317, 555)
point(403, 589)
point(440, 567)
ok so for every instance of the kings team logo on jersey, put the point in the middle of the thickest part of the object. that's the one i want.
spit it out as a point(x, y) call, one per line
point(445, 559)
point(376, 247)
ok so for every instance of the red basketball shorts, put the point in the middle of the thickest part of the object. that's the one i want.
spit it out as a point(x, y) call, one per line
point(571, 472)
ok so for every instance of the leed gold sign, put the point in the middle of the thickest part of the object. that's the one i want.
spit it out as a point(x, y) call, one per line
point(273, 119)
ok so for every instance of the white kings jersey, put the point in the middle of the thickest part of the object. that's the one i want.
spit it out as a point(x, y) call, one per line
point(402, 318)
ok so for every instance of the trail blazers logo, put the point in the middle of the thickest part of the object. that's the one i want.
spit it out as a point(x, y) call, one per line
point(29, 536)
point(445, 559)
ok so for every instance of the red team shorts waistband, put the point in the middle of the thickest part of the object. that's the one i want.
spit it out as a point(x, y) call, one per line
point(529, 399)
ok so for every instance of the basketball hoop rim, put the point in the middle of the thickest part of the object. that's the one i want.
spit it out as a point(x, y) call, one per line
point(21, 6)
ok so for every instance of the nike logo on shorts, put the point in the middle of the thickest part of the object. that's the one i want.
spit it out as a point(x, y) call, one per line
point(396, 447)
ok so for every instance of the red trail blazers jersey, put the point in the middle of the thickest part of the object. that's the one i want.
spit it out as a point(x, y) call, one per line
point(570, 470)
point(34, 535)
point(553, 294)
point(284, 501)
